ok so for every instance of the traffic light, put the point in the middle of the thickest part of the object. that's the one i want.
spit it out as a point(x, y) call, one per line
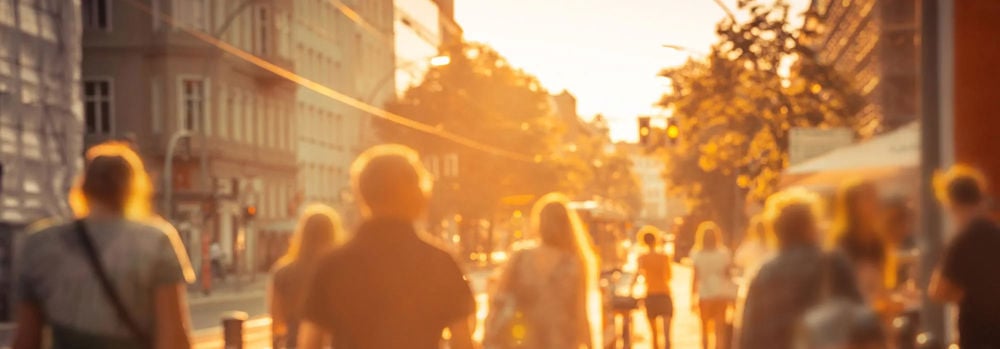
point(644, 130)
point(249, 212)
point(673, 131)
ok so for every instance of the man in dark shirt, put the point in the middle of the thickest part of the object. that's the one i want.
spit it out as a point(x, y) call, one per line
point(388, 288)
point(970, 272)
point(796, 279)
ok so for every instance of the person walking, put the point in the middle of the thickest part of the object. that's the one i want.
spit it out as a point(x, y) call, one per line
point(388, 287)
point(655, 269)
point(712, 288)
point(969, 274)
point(113, 278)
point(792, 283)
point(216, 255)
point(859, 235)
point(550, 286)
point(318, 230)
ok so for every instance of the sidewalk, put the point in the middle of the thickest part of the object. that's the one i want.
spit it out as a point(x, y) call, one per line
point(233, 288)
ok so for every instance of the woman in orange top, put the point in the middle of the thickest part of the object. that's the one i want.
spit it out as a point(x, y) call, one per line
point(654, 267)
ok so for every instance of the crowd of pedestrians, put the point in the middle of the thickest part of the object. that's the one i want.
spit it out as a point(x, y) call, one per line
point(115, 276)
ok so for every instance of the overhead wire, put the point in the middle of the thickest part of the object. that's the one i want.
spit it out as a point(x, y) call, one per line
point(329, 92)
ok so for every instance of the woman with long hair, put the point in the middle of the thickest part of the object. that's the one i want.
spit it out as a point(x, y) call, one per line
point(712, 289)
point(113, 278)
point(858, 234)
point(318, 230)
point(655, 269)
point(547, 297)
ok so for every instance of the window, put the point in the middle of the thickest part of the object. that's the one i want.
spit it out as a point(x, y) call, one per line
point(238, 115)
point(96, 14)
point(192, 13)
point(225, 108)
point(262, 30)
point(192, 93)
point(97, 106)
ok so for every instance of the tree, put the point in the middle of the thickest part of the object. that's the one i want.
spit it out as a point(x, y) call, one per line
point(481, 97)
point(735, 110)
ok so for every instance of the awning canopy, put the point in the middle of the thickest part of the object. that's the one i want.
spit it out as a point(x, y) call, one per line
point(890, 156)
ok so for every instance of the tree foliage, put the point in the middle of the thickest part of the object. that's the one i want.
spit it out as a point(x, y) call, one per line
point(480, 96)
point(735, 109)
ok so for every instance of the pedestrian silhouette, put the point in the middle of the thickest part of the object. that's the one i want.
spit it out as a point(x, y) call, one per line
point(388, 287)
point(114, 278)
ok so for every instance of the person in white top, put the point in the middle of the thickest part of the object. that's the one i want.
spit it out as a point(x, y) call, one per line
point(712, 289)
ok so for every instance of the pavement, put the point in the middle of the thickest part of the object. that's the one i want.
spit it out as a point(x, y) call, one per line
point(249, 296)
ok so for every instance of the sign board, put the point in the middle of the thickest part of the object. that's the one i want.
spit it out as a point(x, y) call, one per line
point(806, 142)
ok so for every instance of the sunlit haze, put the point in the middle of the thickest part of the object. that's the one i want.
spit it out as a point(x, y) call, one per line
point(606, 53)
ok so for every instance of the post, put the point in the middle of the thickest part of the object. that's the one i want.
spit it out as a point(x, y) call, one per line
point(932, 314)
point(232, 329)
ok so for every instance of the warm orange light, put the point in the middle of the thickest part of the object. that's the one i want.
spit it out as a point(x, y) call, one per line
point(673, 131)
point(252, 210)
point(644, 131)
point(440, 61)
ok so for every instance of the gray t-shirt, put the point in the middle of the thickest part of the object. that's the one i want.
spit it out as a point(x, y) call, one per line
point(54, 273)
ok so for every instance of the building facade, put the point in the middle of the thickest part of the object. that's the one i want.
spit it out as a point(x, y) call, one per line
point(874, 44)
point(648, 170)
point(41, 113)
point(351, 56)
point(418, 39)
point(223, 126)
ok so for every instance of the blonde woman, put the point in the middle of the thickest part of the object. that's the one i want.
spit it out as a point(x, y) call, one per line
point(318, 230)
point(552, 286)
point(113, 278)
point(712, 287)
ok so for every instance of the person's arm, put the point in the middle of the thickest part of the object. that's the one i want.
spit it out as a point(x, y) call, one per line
point(942, 289)
point(947, 280)
point(310, 336)
point(172, 327)
point(694, 289)
point(28, 334)
point(276, 308)
point(461, 333)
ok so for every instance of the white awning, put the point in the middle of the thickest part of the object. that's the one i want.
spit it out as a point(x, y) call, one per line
point(887, 156)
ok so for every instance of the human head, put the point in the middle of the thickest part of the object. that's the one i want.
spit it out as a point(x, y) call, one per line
point(708, 237)
point(858, 208)
point(793, 216)
point(391, 182)
point(650, 236)
point(962, 190)
point(114, 181)
point(555, 222)
point(318, 230)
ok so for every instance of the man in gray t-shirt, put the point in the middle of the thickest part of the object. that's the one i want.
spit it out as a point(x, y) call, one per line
point(55, 275)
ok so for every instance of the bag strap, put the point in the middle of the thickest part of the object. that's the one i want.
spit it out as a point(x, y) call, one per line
point(109, 290)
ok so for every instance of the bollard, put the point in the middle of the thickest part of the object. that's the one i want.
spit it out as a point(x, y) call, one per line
point(232, 329)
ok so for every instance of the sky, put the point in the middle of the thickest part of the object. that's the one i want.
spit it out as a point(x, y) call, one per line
point(605, 52)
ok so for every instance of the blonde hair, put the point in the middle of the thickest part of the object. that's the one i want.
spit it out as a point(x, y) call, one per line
point(560, 227)
point(138, 204)
point(307, 244)
point(650, 230)
point(942, 180)
point(782, 208)
point(705, 228)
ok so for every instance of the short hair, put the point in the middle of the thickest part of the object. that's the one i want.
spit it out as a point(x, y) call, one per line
point(108, 180)
point(649, 235)
point(961, 185)
point(383, 172)
point(789, 211)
